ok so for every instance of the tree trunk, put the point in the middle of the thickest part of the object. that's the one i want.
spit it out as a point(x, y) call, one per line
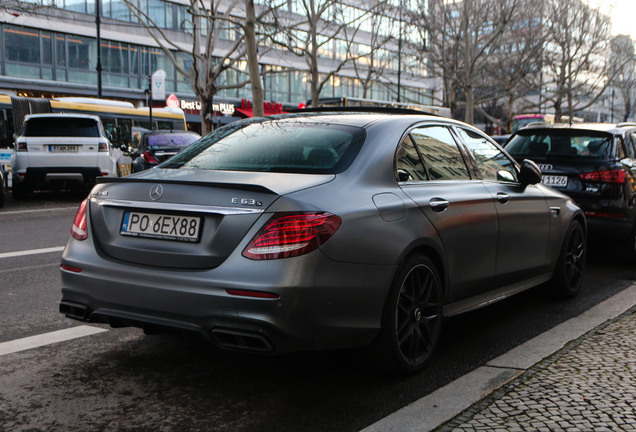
point(206, 116)
point(469, 117)
point(252, 59)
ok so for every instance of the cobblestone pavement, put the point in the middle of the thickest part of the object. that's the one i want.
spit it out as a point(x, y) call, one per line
point(588, 386)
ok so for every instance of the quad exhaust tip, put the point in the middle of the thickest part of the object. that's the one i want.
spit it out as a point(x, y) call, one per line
point(74, 310)
point(241, 340)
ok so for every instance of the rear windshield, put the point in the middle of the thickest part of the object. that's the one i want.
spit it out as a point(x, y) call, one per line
point(61, 127)
point(171, 140)
point(560, 143)
point(309, 148)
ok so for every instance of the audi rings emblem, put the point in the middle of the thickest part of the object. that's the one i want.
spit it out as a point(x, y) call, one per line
point(156, 192)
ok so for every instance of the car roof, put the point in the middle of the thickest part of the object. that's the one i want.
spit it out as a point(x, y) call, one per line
point(614, 128)
point(44, 115)
point(361, 119)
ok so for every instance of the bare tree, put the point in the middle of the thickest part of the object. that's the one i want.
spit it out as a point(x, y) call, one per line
point(323, 33)
point(371, 61)
point(514, 64)
point(575, 67)
point(211, 54)
point(622, 66)
point(461, 36)
point(18, 7)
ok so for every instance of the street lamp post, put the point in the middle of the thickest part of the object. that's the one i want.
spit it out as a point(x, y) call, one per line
point(399, 71)
point(99, 49)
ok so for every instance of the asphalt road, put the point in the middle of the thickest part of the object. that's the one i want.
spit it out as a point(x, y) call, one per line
point(122, 380)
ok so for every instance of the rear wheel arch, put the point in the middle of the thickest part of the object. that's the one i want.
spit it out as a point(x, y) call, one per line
point(434, 255)
point(412, 315)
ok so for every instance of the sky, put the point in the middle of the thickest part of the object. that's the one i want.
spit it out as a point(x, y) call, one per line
point(622, 13)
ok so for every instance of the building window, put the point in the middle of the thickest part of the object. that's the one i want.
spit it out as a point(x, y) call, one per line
point(22, 45)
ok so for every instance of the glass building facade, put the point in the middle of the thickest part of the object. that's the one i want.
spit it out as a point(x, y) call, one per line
point(29, 54)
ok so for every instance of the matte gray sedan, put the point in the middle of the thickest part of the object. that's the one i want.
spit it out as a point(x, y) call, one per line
point(321, 231)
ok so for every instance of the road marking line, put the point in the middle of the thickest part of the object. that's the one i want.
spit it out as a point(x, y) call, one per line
point(56, 264)
point(31, 252)
point(48, 339)
point(15, 212)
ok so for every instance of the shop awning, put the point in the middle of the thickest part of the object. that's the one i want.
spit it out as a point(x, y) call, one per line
point(269, 108)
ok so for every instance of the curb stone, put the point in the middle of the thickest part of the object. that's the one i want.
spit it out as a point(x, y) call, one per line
point(454, 425)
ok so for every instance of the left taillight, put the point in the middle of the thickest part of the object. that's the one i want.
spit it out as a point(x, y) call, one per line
point(79, 230)
point(288, 235)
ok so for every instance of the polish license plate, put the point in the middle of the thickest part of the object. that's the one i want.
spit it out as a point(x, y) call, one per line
point(552, 180)
point(161, 226)
point(67, 148)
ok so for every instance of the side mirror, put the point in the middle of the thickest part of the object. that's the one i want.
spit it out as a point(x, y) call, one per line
point(530, 173)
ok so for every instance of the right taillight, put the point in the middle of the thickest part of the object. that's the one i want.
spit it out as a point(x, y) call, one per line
point(612, 176)
point(292, 234)
point(79, 230)
point(149, 158)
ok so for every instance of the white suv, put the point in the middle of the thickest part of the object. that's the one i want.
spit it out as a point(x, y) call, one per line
point(57, 150)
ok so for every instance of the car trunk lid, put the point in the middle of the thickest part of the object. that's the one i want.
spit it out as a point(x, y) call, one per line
point(160, 220)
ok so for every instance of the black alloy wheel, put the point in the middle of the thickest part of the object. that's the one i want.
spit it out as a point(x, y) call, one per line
point(568, 276)
point(412, 318)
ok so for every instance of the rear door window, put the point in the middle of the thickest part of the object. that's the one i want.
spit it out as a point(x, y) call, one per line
point(171, 140)
point(61, 127)
point(442, 158)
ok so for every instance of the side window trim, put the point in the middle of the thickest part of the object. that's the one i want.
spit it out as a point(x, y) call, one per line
point(473, 169)
point(407, 136)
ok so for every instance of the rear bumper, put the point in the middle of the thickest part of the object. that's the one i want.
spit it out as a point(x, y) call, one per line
point(320, 304)
point(43, 176)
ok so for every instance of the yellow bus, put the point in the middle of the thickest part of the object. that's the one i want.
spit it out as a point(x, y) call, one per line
point(119, 118)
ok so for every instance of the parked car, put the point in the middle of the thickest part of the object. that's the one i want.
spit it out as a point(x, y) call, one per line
point(321, 231)
point(2, 187)
point(595, 164)
point(157, 146)
point(57, 150)
point(501, 139)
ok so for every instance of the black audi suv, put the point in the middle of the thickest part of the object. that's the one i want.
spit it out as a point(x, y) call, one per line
point(595, 164)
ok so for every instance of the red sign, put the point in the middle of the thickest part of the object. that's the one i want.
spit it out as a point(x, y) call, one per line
point(173, 101)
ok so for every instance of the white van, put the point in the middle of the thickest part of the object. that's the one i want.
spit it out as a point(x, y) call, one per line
point(59, 150)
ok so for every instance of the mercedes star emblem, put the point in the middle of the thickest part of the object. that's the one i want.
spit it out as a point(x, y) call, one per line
point(156, 192)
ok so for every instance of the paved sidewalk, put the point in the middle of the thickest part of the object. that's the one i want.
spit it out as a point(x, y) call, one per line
point(577, 377)
point(588, 386)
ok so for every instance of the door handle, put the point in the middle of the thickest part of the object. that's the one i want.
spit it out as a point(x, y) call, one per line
point(438, 204)
point(503, 197)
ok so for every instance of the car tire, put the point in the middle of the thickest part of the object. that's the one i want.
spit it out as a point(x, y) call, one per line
point(411, 320)
point(568, 275)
